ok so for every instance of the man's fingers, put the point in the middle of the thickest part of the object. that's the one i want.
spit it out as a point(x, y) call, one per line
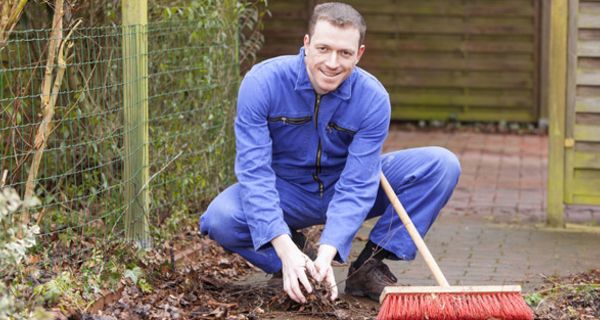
point(304, 280)
point(320, 271)
point(323, 273)
point(294, 289)
point(287, 287)
point(312, 269)
point(297, 293)
point(333, 285)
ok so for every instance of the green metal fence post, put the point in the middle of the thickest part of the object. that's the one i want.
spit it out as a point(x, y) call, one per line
point(135, 93)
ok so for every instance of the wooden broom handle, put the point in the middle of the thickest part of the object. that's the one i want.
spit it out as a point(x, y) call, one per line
point(414, 234)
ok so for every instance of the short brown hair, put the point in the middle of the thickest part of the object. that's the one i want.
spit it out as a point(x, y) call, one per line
point(340, 15)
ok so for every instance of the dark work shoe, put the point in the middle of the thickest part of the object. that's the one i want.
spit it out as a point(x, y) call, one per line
point(369, 279)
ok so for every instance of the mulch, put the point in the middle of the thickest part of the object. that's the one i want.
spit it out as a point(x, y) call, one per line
point(573, 297)
point(209, 284)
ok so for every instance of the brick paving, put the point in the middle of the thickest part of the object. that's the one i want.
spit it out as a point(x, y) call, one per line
point(491, 231)
point(473, 251)
point(503, 175)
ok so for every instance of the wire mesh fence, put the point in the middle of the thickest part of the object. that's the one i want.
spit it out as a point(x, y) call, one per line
point(193, 73)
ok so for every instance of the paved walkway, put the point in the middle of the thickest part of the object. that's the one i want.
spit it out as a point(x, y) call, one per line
point(473, 251)
point(492, 231)
point(503, 175)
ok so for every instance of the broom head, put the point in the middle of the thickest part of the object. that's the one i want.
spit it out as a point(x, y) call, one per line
point(457, 302)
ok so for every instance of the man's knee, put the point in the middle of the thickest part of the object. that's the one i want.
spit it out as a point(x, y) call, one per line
point(218, 220)
point(447, 164)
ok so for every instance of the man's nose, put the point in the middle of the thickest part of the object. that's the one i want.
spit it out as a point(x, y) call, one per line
point(332, 60)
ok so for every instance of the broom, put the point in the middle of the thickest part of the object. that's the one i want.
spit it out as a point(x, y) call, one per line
point(443, 301)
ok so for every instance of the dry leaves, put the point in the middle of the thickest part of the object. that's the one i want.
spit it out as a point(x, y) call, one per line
point(207, 286)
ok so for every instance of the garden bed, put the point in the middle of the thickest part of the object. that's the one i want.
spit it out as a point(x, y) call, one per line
point(573, 297)
point(210, 283)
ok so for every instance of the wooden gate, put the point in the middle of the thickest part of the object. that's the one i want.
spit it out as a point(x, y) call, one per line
point(439, 59)
point(582, 134)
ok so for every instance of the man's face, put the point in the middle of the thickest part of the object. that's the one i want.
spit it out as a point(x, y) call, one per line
point(331, 54)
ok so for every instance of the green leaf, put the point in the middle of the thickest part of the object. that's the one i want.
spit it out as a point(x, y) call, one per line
point(134, 274)
point(533, 299)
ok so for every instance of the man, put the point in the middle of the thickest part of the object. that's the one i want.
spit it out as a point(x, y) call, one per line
point(309, 132)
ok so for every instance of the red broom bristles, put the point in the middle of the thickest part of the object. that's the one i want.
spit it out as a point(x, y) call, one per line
point(449, 306)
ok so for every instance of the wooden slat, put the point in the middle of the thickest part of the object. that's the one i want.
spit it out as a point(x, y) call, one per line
point(509, 101)
point(445, 7)
point(586, 200)
point(589, 20)
point(589, 34)
point(588, 63)
point(459, 79)
point(587, 133)
point(282, 20)
point(292, 15)
point(589, 6)
point(431, 62)
point(512, 8)
point(587, 160)
point(412, 25)
point(588, 49)
point(278, 6)
point(584, 118)
point(450, 25)
point(439, 44)
point(584, 185)
point(587, 105)
point(588, 77)
point(404, 112)
point(582, 146)
point(588, 91)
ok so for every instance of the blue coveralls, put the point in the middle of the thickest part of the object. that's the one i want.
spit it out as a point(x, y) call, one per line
point(303, 159)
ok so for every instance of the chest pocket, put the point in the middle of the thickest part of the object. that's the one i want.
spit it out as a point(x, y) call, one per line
point(289, 120)
point(290, 135)
point(340, 138)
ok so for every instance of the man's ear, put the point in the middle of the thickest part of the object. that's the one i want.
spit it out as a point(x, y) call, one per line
point(306, 43)
point(360, 52)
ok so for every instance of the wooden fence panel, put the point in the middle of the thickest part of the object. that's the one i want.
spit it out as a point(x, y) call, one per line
point(583, 115)
point(439, 59)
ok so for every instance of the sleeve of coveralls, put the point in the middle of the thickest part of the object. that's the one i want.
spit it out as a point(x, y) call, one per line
point(356, 190)
point(260, 199)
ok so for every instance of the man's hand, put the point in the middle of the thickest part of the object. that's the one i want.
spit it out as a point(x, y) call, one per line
point(295, 265)
point(324, 269)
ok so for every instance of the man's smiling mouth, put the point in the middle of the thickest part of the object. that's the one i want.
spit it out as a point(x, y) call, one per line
point(330, 74)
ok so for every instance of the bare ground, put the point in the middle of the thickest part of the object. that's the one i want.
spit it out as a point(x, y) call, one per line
point(208, 285)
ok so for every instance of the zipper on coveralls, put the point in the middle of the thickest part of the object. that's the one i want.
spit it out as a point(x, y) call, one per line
point(319, 149)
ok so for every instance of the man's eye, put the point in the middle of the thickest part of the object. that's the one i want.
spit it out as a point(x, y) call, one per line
point(346, 53)
point(322, 49)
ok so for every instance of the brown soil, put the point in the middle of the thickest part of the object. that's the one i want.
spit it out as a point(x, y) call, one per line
point(209, 285)
point(573, 297)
